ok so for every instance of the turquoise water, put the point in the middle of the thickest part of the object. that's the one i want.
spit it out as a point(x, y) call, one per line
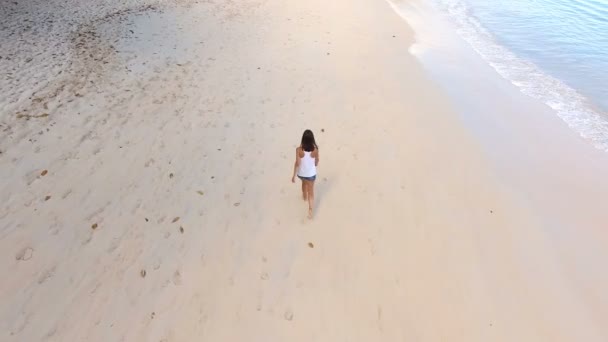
point(567, 38)
point(553, 50)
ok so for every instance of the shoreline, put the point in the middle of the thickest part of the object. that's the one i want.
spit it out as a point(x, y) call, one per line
point(156, 203)
point(453, 39)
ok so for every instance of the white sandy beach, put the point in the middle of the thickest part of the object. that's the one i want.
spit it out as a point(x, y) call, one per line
point(146, 150)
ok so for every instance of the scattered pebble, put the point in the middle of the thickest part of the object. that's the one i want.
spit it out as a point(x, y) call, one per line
point(237, 204)
point(322, 129)
point(152, 315)
point(175, 219)
point(94, 226)
point(44, 172)
point(147, 219)
point(48, 197)
point(200, 192)
point(181, 229)
point(171, 175)
point(311, 245)
point(142, 273)
point(491, 212)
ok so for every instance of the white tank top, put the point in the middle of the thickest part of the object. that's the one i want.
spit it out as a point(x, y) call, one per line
point(307, 166)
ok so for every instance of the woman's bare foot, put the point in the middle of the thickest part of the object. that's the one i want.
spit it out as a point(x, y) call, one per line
point(310, 213)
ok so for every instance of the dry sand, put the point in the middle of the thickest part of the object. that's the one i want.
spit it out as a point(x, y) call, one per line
point(146, 150)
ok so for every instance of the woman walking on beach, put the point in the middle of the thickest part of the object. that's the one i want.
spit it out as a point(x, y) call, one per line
point(307, 159)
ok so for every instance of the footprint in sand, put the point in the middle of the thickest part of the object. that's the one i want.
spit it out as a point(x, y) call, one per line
point(31, 176)
point(288, 315)
point(177, 278)
point(50, 333)
point(66, 194)
point(113, 245)
point(24, 254)
point(46, 275)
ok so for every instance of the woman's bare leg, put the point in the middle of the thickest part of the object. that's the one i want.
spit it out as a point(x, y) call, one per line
point(304, 190)
point(311, 197)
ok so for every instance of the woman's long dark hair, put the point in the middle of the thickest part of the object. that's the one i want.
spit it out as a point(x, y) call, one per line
point(308, 141)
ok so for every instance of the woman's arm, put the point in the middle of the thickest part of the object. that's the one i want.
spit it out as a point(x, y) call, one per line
point(316, 157)
point(296, 165)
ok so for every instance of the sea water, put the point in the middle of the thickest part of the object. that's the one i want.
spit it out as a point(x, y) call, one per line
point(555, 51)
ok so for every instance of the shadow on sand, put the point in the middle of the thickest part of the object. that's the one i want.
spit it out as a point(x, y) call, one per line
point(322, 188)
